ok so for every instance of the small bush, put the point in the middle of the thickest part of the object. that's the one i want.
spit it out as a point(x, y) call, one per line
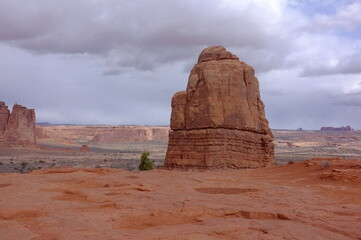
point(145, 162)
point(24, 164)
point(325, 164)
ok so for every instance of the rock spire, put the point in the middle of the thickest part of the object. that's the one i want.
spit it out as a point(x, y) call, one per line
point(219, 121)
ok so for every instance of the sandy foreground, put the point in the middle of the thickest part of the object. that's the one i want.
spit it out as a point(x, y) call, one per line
point(297, 201)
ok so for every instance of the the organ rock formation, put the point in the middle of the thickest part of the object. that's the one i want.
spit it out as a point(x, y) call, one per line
point(219, 121)
point(17, 127)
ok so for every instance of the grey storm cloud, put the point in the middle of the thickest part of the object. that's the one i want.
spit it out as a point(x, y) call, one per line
point(138, 34)
point(120, 62)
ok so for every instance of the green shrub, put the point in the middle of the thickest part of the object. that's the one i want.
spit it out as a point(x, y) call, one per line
point(145, 162)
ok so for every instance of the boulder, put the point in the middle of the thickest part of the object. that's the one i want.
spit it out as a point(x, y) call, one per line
point(219, 121)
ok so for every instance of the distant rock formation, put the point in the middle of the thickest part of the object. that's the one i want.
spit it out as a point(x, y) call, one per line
point(17, 127)
point(347, 128)
point(219, 121)
point(84, 148)
point(102, 134)
point(130, 134)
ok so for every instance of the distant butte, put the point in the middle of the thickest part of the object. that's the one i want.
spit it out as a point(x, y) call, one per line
point(219, 121)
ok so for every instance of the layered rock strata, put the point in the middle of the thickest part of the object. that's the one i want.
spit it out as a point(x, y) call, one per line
point(17, 127)
point(219, 121)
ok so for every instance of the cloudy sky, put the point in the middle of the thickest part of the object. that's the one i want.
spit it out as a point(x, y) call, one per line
point(120, 61)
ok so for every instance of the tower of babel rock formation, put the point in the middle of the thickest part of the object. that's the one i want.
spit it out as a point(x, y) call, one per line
point(17, 127)
point(219, 121)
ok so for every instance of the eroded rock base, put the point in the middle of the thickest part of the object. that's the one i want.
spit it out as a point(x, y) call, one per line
point(218, 148)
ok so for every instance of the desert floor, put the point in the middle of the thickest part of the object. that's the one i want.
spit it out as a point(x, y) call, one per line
point(303, 200)
point(52, 154)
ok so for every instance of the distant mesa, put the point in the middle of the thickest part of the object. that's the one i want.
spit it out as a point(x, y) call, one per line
point(219, 121)
point(43, 123)
point(347, 128)
point(120, 134)
point(100, 134)
point(17, 127)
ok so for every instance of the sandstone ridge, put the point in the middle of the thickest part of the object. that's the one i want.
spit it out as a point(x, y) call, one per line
point(219, 121)
point(18, 126)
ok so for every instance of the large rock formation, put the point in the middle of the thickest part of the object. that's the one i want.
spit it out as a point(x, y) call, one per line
point(17, 127)
point(219, 121)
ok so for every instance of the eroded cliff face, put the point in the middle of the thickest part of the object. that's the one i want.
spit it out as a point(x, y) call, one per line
point(17, 127)
point(219, 121)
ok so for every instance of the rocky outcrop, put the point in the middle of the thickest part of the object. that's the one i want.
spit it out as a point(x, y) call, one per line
point(219, 121)
point(17, 127)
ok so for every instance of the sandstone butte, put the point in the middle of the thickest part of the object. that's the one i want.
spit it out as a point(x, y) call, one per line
point(299, 201)
point(17, 127)
point(219, 121)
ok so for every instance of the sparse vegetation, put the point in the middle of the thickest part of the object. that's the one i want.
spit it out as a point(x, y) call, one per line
point(24, 164)
point(324, 164)
point(145, 162)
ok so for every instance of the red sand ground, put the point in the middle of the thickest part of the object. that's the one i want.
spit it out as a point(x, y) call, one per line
point(296, 201)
